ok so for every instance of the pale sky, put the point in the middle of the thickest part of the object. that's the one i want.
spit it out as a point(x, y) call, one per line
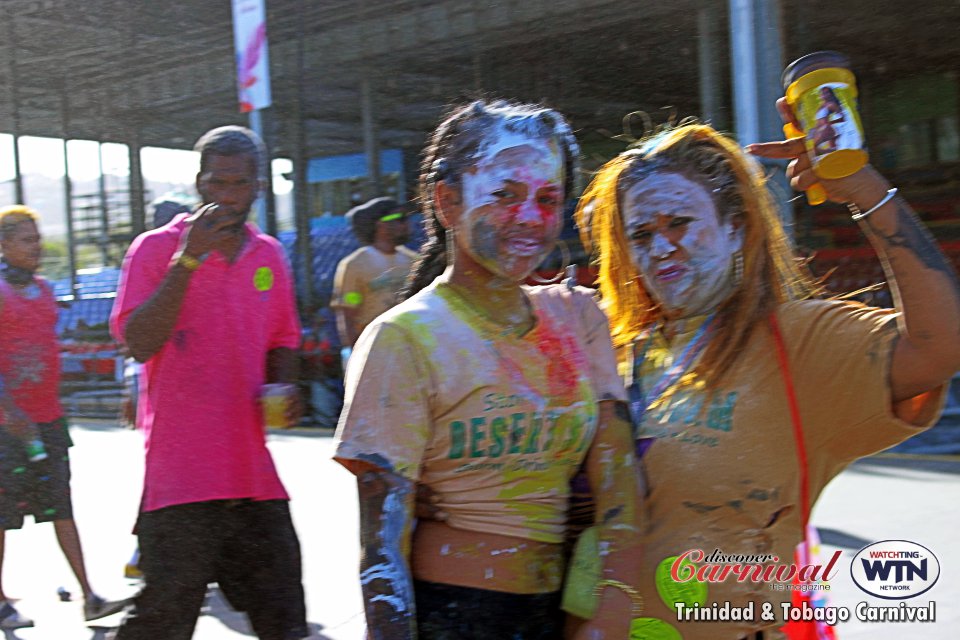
point(45, 156)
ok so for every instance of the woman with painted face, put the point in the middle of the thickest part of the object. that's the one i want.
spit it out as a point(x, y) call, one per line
point(492, 395)
point(699, 280)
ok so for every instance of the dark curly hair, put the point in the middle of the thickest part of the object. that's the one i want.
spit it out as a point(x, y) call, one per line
point(455, 146)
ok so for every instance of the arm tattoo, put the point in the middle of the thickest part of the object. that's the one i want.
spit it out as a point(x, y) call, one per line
point(914, 237)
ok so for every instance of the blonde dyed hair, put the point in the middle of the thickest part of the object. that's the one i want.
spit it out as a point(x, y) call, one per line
point(771, 273)
point(14, 215)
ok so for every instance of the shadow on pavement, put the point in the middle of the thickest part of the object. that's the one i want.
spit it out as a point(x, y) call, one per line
point(836, 538)
point(216, 606)
point(105, 424)
point(894, 461)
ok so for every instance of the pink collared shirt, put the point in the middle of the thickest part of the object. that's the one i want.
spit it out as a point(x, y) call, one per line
point(199, 407)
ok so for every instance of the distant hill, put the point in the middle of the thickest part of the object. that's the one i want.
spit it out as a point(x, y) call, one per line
point(46, 195)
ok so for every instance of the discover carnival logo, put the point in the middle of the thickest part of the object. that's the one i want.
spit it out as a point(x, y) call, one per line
point(895, 569)
point(889, 569)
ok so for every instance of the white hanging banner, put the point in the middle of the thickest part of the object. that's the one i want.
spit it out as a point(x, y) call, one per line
point(250, 53)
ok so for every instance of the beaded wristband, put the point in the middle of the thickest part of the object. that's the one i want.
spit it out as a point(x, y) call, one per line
point(188, 262)
point(636, 599)
point(856, 214)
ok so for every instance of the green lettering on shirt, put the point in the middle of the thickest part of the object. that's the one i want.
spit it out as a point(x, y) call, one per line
point(551, 418)
point(457, 439)
point(693, 403)
point(477, 435)
point(573, 434)
point(536, 424)
point(516, 432)
point(498, 430)
point(721, 413)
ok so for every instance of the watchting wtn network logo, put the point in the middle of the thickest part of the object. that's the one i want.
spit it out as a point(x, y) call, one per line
point(895, 569)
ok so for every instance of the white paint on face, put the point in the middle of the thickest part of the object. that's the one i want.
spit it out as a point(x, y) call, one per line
point(679, 246)
point(499, 138)
point(512, 204)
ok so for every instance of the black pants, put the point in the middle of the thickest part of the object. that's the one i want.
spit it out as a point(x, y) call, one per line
point(447, 612)
point(40, 489)
point(249, 548)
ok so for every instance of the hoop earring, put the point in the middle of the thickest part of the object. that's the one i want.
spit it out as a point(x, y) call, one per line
point(564, 263)
point(738, 268)
point(451, 245)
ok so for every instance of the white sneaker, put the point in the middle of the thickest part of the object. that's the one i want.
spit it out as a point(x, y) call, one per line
point(10, 618)
point(96, 607)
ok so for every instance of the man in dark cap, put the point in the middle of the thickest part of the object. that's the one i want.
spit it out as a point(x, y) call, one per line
point(166, 208)
point(368, 280)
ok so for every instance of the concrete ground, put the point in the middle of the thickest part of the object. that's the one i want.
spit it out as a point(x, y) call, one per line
point(900, 496)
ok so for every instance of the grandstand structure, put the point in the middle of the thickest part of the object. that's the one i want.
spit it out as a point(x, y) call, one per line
point(361, 77)
point(353, 77)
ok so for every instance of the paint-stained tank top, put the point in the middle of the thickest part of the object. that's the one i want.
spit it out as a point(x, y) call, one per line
point(29, 349)
point(495, 424)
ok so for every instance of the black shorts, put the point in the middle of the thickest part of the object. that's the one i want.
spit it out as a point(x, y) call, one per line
point(249, 548)
point(40, 489)
point(448, 612)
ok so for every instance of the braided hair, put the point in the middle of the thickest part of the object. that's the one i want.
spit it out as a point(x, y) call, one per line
point(457, 144)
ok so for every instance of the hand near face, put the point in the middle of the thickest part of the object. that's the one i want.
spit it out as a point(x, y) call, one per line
point(206, 230)
point(800, 170)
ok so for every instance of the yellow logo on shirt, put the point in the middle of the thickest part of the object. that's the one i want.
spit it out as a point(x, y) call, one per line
point(263, 279)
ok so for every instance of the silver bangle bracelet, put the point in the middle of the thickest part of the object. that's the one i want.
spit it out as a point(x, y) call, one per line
point(855, 212)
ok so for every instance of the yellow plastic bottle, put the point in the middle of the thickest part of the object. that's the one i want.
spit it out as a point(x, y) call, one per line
point(822, 92)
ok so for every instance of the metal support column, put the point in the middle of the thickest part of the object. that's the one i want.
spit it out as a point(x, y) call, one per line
point(138, 215)
point(68, 190)
point(104, 208)
point(270, 197)
point(266, 204)
point(301, 201)
point(259, 206)
point(371, 146)
point(14, 88)
point(712, 109)
point(757, 61)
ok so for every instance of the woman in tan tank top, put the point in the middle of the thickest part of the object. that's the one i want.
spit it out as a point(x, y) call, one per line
point(493, 395)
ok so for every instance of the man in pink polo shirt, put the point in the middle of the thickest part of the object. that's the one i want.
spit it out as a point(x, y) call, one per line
point(207, 304)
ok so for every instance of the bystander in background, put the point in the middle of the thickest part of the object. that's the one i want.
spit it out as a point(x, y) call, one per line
point(34, 440)
point(368, 280)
